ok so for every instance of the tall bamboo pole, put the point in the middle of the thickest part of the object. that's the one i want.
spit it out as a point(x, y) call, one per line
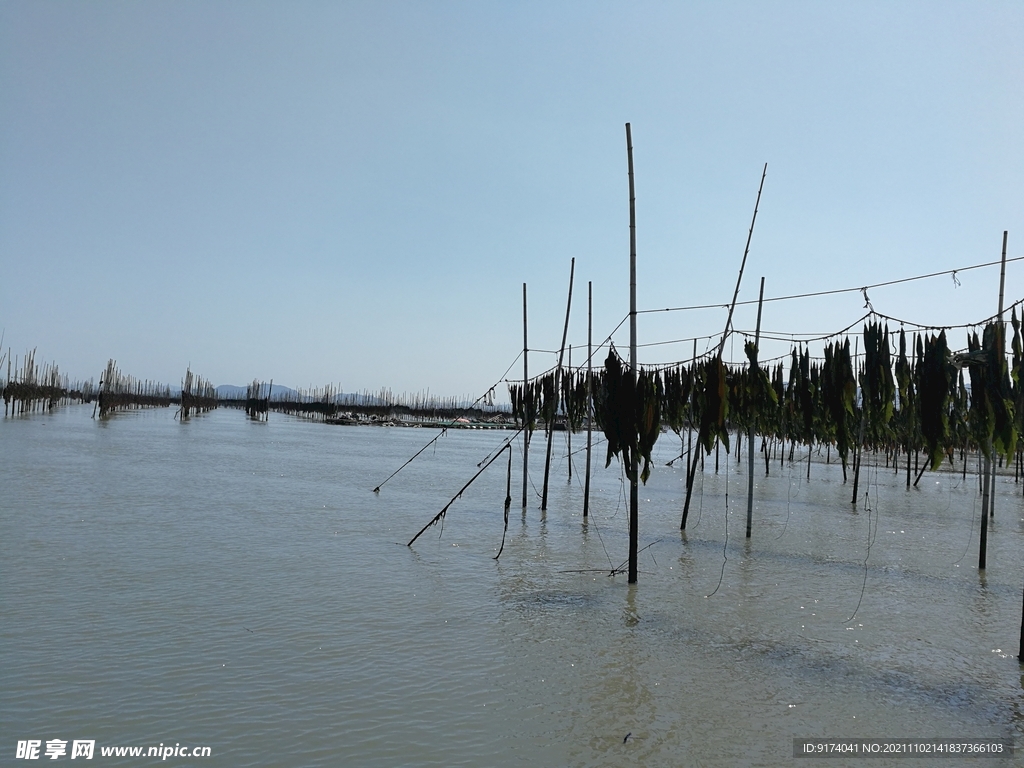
point(989, 474)
point(725, 335)
point(558, 374)
point(634, 490)
point(1002, 350)
point(750, 429)
point(526, 427)
point(689, 432)
point(590, 393)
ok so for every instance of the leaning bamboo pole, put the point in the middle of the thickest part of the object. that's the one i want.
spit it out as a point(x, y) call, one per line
point(989, 484)
point(750, 428)
point(558, 373)
point(725, 335)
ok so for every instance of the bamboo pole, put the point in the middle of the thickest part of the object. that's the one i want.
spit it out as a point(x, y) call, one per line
point(526, 428)
point(590, 393)
point(440, 515)
point(909, 430)
point(558, 375)
point(725, 335)
point(1002, 349)
point(750, 429)
point(986, 476)
point(693, 400)
point(568, 429)
point(989, 471)
point(858, 453)
point(634, 490)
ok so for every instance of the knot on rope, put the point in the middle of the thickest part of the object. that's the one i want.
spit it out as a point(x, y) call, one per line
point(867, 301)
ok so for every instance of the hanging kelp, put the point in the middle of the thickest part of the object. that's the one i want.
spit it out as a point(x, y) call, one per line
point(677, 386)
point(740, 410)
point(800, 399)
point(549, 399)
point(526, 400)
point(714, 404)
point(1004, 433)
point(991, 413)
point(792, 400)
point(839, 396)
point(906, 418)
point(877, 386)
point(615, 406)
point(935, 376)
point(574, 398)
point(536, 398)
point(779, 385)
point(959, 415)
point(1017, 373)
point(818, 421)
point(762, 401)
point(628, 410)
point(649, 391)
point(980, 415)
point(515, 396)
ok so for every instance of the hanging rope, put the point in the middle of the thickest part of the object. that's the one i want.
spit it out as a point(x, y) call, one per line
point(863, 288)
point(439, 517)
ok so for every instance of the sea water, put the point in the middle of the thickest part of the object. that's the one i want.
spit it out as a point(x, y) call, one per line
point(238, 585)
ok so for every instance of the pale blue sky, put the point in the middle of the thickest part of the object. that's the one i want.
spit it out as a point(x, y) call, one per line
point(355, 192)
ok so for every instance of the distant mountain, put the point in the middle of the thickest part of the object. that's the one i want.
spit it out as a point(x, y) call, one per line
point(232, 392)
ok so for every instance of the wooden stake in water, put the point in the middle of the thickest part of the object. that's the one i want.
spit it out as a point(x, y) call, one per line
point(526, 428)
point(634, 490)
point(750, 431)
point(986, 476)
point(558, 374)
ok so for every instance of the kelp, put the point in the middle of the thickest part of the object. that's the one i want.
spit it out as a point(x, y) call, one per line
point(906, 421)
point(839, 395)
point(877, 386)
point(526, 401)
point(574, 398)
point(991, 411)
point(936, 373)
point(677, 387)
point(1017, 373)
point(910, 401)
point(629, 413)
point(715, 405)
point(761, 401)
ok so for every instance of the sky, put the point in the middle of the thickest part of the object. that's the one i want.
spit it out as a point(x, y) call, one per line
point(354, 193)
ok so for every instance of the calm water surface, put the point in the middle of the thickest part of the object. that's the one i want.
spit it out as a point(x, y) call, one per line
point(237, 585)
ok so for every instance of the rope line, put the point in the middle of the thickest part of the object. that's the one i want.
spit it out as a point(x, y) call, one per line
point(859, 289)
